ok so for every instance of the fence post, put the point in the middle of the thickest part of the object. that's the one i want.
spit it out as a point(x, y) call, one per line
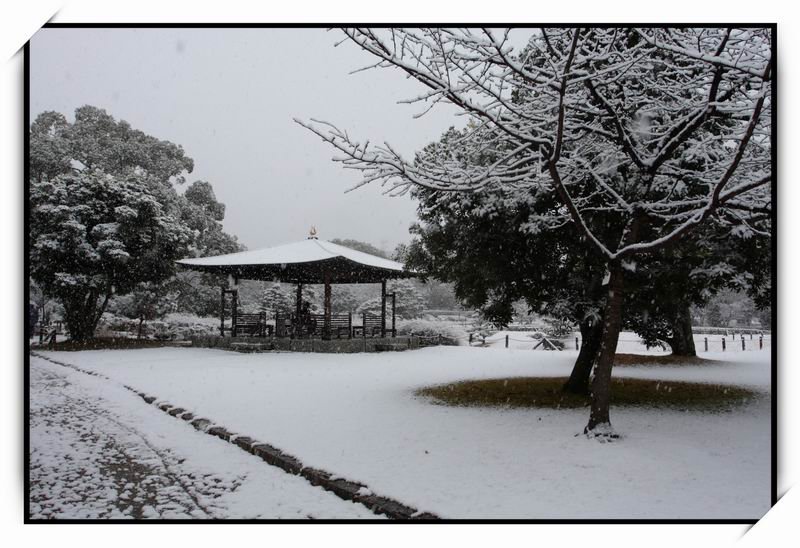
point(470, 338)
point(761, 342)
point(743, 348)
point(506, 341)
point(723, 344)
point(705, 340)
point(577, 346)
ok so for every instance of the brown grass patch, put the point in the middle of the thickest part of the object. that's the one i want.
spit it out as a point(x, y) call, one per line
point(545, 392)
point(650, 359)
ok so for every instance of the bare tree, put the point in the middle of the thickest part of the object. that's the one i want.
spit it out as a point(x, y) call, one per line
point(646, 133)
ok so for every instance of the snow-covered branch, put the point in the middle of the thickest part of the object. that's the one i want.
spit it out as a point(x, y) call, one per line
point(662, 125)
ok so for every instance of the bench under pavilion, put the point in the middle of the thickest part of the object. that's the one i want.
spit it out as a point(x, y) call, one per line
point(309, 261)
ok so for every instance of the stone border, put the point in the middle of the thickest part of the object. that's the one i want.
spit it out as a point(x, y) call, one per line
point(333, 346)
point(352, 491)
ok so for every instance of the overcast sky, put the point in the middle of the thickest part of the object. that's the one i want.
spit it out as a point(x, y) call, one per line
point(228, 97)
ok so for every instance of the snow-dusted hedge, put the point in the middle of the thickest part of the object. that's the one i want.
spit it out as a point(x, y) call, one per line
point(176, 326)
point(452, 334)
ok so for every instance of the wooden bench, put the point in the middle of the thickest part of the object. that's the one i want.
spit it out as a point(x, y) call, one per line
point(339, 324)
point(283, 324)
point(371, 326)
point(253, 325)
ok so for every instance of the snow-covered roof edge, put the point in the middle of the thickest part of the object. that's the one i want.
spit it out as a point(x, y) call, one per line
point(304, 251)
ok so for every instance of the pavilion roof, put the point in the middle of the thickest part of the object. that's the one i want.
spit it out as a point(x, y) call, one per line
point(307, 261)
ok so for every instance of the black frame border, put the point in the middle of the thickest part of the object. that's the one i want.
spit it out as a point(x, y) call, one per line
point(774, 273)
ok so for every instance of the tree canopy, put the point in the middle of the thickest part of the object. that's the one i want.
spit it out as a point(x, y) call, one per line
point(106, 218)
point(642, 135)
point(94, 234)
point(95, 140)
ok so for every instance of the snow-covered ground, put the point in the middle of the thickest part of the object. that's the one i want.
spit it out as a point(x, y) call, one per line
point(630, 343)
point(356, 415)
point(97, 451)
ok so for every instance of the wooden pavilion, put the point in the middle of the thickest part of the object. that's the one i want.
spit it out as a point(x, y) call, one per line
point(310, 261)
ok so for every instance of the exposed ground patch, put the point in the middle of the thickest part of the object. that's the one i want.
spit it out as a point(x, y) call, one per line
point(650, 359)
point(545, 392)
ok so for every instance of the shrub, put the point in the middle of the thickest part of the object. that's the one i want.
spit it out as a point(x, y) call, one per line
point(453, 334)
point(175, 326)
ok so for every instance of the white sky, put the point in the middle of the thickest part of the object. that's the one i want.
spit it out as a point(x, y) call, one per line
point(228, 97)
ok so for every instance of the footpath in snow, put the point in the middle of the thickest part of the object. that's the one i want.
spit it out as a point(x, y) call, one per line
point(356, 416)
point(98, 451)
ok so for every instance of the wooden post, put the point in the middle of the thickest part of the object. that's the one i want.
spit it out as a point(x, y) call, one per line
point(705, 341)
point(41, 327)
point(222, 311)
point(297, 311)
point(234, 310)
point(723, 344)
point(383, 308)
point(743, 348)
point(326, 329)
point(506, 341)
point(470, 338)
point(394, 303)
point(761, 342)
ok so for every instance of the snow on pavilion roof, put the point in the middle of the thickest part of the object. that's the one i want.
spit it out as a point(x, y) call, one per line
point(307, 261)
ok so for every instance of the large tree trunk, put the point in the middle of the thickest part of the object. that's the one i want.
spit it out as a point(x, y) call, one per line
point(591, 335)
point(682, 341)
point(82, 313)
point(599, 419)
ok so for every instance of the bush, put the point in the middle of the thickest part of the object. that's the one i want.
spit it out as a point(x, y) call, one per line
point(453, 334)
point(176, 326)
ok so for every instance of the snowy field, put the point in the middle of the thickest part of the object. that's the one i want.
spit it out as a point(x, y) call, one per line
point(98, 452)
point(356, 416)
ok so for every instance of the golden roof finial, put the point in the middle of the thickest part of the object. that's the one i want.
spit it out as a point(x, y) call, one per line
point(312, 234)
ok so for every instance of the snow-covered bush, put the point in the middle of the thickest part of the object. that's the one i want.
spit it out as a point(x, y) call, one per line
point(175, 326)
point(452, 334)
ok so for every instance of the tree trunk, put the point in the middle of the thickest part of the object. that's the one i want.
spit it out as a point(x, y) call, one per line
point(82, 313)
point(682, 341)
point(591, 335)
point(599, 419)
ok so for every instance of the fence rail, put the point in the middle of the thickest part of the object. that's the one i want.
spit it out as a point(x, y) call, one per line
point(729, 331)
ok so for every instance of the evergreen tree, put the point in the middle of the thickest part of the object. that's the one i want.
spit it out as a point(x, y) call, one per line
point(106, 217)
point(276, 300)
point(94, 235)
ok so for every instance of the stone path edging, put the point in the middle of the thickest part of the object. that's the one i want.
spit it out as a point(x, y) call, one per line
point(345, 489)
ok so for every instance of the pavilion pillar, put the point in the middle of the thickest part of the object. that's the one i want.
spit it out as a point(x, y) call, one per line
point(298, 310)
point(221, 310)
point(326, 330)
point(383, 308)
point(394, 307)
point(234, 291)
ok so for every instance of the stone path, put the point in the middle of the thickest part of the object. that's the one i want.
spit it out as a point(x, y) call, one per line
point(97, 452)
